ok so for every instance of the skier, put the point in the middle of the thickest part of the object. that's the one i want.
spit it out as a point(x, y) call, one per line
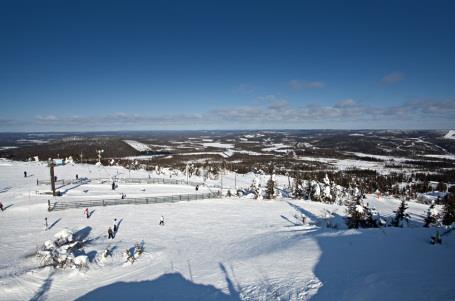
point(128, 256)
point(1, 206)
point(46, 227)
point(162, 220)
point(77, 177)
point(86, 212)
point(436, 239)
point(113, 185)
point(25, 174)
point(197, 187)
point(110, 234)
point(115, 226)
point(138, 249)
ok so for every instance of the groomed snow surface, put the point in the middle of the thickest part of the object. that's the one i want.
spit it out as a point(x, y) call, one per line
point(223, 249)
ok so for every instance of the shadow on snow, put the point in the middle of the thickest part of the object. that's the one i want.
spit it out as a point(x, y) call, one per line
point(172, 287)
point(381, 263)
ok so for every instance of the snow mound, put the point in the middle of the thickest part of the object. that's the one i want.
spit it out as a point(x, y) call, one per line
point(64, 235)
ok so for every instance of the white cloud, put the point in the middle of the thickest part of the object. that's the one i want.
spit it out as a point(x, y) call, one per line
point(392, 78)
point(46, 118)
point(245, 89)
point(345, 103)
point(271, 112)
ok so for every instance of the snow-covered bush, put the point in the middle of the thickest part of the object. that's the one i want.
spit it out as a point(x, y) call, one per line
point(60, 253)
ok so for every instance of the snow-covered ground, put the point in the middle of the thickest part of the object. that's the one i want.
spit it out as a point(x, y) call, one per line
point(220, 249)
point(448, 157)
point(139, 146)
point(218, 145)
point(450, 135)
point(276, 147)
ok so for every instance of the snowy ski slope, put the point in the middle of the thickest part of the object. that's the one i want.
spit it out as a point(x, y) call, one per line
point(224, 249)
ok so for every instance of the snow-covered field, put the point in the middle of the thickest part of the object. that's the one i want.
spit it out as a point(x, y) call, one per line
point(139, 146)
point(220, 249)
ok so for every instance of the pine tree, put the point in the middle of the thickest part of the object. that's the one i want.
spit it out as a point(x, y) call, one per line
point(355, 213)
point(448, 212)
point(400, 214)
point(442, 187)
point(256, 189)
point(369, 219)
point(298, 192)
point(270, 190)
point(430, 219)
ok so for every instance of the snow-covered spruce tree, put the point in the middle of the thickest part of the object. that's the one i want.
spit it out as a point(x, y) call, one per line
point(448, 212)
point(298, 192)
point(315, 191)
point(401, 215)
point(256, 189)
point(355, 213)
point(431, 218)
point(326, 194)
point(270, 189)
point(370, 221)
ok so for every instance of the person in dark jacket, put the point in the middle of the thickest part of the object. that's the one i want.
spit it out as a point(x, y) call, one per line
point(436, 239)
point(110, 234)
point(161, 221)
point(1, 206)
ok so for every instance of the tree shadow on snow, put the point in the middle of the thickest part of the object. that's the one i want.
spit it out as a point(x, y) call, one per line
point(288, 220)
point(233, 291)
point(307, 213)
point(171, 287)
point(44, 288)
point(332, 221)
point(91, 255)
point(82, 233)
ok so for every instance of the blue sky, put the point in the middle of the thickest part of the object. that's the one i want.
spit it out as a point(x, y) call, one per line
point(146, 65)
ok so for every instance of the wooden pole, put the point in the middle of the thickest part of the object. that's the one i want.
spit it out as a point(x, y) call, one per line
point(51, 165)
